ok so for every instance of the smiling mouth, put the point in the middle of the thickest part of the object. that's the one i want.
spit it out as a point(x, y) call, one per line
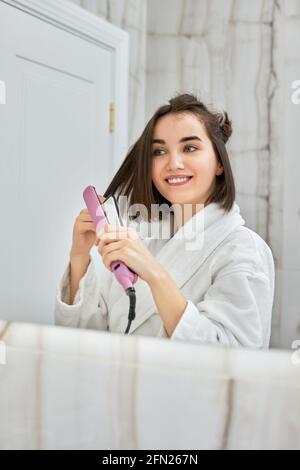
point(178, 181)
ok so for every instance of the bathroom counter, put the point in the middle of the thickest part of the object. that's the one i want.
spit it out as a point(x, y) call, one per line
point(64, 388)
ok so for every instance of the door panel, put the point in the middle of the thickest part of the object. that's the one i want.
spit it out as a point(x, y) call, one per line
point(54, 141)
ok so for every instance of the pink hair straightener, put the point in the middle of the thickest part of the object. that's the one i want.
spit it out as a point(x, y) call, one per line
point(108, 213)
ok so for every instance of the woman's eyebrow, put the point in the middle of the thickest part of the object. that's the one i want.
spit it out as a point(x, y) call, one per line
point(191, 137)
point(184, 139)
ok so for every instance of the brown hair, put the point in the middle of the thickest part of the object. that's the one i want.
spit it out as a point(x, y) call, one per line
point(134, 177)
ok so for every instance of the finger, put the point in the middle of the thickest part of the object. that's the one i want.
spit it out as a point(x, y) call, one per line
point(84, 214)
point(84, 217)
point(102, 230)
point(112, 247)
point(112, 236)
point(102, 198)
point(115, 255)
point(85, 226)
point(118, 230)
point(104, 241)
point(105, 229)
point(116, 227)
point(97, 240)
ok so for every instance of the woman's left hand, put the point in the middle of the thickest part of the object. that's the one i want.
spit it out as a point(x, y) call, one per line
point(124, 244)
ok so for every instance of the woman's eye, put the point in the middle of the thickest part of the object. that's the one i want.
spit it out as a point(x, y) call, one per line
point(161, 150)
point(190, 146)
point(157, 150)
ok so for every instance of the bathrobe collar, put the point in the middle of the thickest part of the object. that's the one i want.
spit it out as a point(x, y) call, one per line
point(181, 255)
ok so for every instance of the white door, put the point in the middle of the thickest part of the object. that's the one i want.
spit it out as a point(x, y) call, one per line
point(54, 141)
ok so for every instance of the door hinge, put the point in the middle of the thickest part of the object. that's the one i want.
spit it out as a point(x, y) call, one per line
point(111, 117)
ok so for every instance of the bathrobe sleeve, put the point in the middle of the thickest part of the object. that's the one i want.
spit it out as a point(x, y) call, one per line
point(236, 311)
point(89, 309)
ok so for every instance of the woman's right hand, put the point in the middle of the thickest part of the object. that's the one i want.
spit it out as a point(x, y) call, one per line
point(84, 234)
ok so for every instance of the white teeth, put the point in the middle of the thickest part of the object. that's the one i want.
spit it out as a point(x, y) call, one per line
point(177, 180)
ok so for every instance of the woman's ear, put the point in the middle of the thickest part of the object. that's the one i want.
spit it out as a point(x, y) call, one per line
point(219, 170)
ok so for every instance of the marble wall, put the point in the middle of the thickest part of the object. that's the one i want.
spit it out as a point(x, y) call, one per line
point(223, 51)
point(286, 117)
point(243, 57)
point(64, 388)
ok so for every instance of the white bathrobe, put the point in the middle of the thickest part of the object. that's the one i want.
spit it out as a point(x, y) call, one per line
point(226, 274)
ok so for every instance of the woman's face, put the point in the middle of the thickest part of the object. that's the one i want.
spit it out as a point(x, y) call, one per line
point(181, 146)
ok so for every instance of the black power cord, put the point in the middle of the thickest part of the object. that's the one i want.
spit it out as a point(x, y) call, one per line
point(130, 291)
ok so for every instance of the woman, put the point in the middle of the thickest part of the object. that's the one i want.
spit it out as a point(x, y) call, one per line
point(218, 290)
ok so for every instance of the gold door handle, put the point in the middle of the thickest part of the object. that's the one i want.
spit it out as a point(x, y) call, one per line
point(111, 117)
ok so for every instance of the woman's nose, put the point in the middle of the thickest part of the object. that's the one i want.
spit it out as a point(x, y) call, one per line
point(175, 160)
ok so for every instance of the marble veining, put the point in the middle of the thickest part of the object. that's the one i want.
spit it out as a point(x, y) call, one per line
point(65, 388)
